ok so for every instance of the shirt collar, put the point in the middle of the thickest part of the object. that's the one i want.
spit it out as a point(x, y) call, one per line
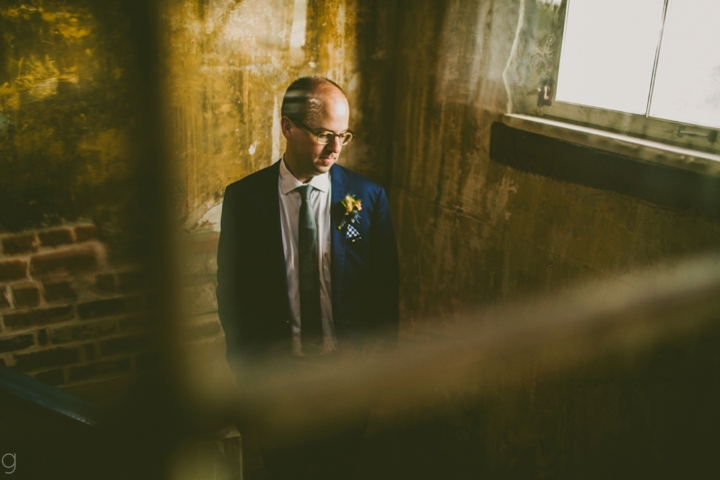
point(288, 182)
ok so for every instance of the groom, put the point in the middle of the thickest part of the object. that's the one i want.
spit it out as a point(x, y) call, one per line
point(307, 261)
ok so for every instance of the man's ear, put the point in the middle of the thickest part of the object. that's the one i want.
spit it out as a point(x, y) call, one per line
point(285, 127)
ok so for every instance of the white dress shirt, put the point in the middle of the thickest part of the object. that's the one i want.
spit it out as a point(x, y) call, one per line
point(320, 201)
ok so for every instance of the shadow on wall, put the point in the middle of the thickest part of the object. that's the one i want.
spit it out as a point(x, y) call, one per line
point(68, 84)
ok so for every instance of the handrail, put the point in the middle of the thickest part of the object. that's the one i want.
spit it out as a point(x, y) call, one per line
point(51, 398)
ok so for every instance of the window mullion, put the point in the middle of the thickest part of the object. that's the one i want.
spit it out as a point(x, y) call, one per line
point(657, 58)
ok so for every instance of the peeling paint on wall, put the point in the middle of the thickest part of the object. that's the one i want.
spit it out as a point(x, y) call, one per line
point(66, 116)
point(227, 71)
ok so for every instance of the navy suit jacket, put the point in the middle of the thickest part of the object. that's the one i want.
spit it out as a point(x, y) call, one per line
point(252, 284)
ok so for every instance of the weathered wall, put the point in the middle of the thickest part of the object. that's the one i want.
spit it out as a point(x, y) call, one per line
point(73, 290)
point(68, 83)
point(228, 64)
point(474, 232)
point(76, 192)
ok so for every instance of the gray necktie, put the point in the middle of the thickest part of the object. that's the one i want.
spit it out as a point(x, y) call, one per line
point(309, 275)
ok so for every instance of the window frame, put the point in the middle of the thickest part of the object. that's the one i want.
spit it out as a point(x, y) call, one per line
point(670, 132)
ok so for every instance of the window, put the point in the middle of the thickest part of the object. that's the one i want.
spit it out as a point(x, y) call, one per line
point(648, 68)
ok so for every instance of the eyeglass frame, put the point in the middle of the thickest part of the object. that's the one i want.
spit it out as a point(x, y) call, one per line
point(319, 131)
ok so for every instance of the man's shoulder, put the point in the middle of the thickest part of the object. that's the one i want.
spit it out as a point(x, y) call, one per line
point(354, 179)
point(258, 179)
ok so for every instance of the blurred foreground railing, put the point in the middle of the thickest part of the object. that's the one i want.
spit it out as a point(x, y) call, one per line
point(473, 351)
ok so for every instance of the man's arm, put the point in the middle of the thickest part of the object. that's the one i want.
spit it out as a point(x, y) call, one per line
point(230, 288)
point(385, 269)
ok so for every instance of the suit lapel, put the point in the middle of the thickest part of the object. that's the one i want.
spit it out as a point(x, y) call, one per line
point(339, 190)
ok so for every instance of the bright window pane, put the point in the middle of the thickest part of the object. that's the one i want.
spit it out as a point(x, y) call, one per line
point(608, 53)
point(687, 84)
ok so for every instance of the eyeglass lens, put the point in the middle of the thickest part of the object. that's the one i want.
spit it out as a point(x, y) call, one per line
point(326, 137)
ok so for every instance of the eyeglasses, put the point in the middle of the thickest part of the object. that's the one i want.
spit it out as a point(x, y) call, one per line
point(324, 137)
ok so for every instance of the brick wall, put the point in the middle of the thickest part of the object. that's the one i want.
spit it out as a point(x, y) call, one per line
point(70, 318)
point(203, 332)
point(200, 268)
point(67, 316)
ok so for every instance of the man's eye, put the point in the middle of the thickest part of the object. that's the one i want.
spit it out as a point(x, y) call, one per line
point(326, 136)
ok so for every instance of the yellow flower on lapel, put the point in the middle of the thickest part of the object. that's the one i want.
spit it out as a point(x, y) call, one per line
point(352, 208)
point(351, 203)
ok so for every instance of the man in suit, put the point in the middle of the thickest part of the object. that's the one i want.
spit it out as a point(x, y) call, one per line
point(307, 262)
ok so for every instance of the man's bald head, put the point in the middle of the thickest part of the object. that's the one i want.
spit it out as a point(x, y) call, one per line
point(305, 98)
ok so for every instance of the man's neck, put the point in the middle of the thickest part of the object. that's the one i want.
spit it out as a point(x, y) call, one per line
point(304, 179)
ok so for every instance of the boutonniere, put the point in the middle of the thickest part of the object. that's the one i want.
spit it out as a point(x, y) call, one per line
point(352, 208)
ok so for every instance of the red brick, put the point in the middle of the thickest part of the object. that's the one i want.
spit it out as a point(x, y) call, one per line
point(13, 270)
point(102, 308)
point(42, 336)
point(90, 350)
point(84, 233)
point(59, 291)
point(51, 377)
point(113, 306)
point(139, 303)
point(125, 344)
point(26, 295)
point(106, 367)
point(38, 317)
point(20, 244)
point(53, 238)
point(132, 280)
point(70, 261)
point(146, 361)
point(4, 300)
point(141, 322)
point(82, 332)
point(47, 358)
point(18, 342)
point(105, 282)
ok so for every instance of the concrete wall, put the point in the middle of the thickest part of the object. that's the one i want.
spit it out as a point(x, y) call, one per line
point(472, 231)
point(227, 67)
point(68, 99)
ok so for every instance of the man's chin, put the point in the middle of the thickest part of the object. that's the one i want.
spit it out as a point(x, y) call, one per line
point(324, 165)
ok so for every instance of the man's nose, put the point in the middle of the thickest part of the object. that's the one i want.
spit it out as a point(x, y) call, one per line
point(336, 145)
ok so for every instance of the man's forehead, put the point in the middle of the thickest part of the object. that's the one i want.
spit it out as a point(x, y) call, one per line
point(336, 102)
point(332, 106)
point(328, 95)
